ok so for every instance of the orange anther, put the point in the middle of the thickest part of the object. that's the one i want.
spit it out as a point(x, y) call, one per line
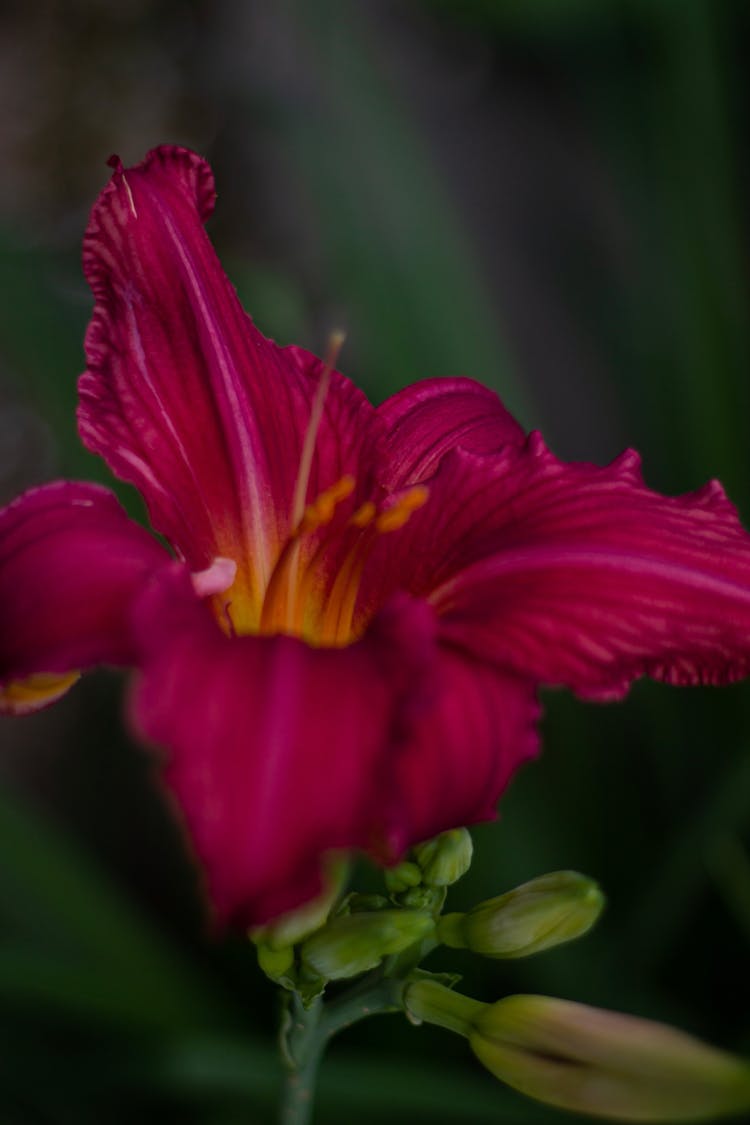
point(364, 514)
point(391, 519)
point(322, 508)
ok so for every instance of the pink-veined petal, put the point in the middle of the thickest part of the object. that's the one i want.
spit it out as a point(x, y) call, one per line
point(70, 563)
point(427, 419)
point(466, 747)
point(276, 752)
point(575, 574)
point(183, 396)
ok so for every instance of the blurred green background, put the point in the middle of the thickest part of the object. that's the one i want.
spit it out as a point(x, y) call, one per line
point(548, 195)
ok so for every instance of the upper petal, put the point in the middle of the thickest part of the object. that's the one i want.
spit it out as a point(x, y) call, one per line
point(578, 575)
point(426, 420)
point(70, 563)
point(183, 396)
point(276, 752)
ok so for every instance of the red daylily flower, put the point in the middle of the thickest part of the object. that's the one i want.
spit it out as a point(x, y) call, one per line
point(345, 648)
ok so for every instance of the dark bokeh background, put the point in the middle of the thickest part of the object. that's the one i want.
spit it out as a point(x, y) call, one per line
point(549, 195)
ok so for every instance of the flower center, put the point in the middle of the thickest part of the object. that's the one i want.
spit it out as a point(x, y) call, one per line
point(314, 585)
point(313, 589)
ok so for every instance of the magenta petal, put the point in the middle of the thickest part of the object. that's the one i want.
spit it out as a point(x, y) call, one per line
point(579, 575)
point(427, 419)
point(276, 752)
point(466, 747)
point(70, 562)
point(183, 396)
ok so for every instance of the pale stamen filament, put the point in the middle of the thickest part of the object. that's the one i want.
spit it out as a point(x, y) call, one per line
point(335, 343)
point(282, 597)
point(345, 590)
point(338, 619)
point(311, 573)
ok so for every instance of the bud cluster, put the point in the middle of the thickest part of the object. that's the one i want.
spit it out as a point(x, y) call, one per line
point(333, 938)
point(336, 936)
point(565, 1054)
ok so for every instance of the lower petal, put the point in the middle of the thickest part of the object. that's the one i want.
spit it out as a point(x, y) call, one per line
point(466, 747)
point(277, 753)
point(70, 562)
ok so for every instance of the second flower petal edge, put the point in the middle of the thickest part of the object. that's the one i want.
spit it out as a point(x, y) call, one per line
point(71, 563)
point(576, 575)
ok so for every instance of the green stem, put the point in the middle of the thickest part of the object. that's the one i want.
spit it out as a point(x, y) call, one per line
point(310, 1030)
point(299, 1089)
point(430, 1002)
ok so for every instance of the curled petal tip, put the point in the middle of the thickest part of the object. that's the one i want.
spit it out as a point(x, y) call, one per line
point(713, 498)
point(22, 697)
point(629, 466)
point(115, 162)
point(215, 579)
point(535, 444)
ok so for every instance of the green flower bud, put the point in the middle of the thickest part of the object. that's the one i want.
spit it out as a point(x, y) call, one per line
point(358, 903)
point(354, 943)
point(446, 858)
point(401, 877)
point(290, 928)
point(277, 964)
point(606, 1064)
point(424, 898)
point(539, 914)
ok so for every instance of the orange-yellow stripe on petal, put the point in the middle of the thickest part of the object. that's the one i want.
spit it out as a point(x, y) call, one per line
point(21, 697)
point(283, 609)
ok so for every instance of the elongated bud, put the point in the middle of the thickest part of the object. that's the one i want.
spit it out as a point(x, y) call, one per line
point(446, 858)
point(354, 943)
point(606, 1064)
point(539, 914)
point(290, 928)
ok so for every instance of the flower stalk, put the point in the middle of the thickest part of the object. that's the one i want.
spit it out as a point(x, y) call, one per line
point(306, 1033)
point(426, 1001)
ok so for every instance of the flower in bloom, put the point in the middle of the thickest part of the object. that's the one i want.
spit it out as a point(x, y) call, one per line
point(342, 646)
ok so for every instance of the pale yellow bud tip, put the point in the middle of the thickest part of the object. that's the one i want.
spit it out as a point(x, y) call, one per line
point(606, 1064)
point(445, 858)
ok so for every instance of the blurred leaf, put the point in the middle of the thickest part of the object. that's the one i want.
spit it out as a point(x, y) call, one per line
point(401, 265)
point(729, 865)
point(660, 912)
point(274, 300)
point(543, 18)
point(70, 940)
point(41, 332)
